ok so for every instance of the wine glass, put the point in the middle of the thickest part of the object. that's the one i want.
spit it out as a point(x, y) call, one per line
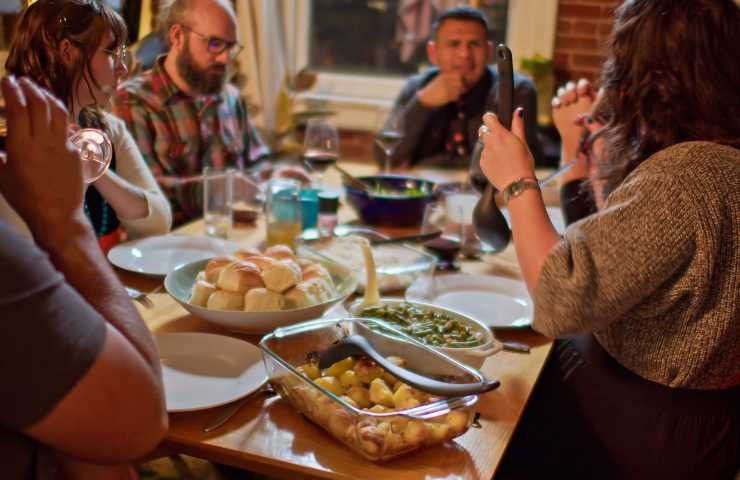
point(95, 151)
point(389, 136)
point(320, 147)
point(93, 147)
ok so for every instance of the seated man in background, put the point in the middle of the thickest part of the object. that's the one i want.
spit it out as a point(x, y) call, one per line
point(83, 388)
point(441, 108)
point(182, 113)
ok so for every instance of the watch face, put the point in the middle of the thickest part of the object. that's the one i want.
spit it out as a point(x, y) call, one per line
point(516, 188)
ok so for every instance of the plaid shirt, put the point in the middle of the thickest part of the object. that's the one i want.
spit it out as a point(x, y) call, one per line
point(179, 134)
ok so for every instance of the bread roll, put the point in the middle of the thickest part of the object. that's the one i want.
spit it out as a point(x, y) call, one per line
point(261, 261)
point(280, 276)
point(317, 271)
point(225, 300)
point(239, 277)
point(304, 262)
point(299, 297)
point(215, 265)
point(263, 300)
point(293, 266)
point(280, 252)
point(244, 253)
point(201, 291)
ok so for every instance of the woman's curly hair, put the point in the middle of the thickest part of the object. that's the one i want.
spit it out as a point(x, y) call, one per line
point(671, 75)
point(35, 53)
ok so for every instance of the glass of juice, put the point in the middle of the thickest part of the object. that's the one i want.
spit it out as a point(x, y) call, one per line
point(283, 213)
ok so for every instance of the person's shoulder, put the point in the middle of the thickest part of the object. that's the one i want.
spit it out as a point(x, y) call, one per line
point(231, 91)
point(116, 125)
point(520, 80)
point(697, 166)
point(418, 79)
point(690, 158)
point(114, 122)
point(137, 85)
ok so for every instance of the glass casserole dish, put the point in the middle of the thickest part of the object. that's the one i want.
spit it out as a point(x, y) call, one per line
point(378, 435)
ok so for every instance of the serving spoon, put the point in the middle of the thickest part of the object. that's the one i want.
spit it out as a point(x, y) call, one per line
point(489, 222)
point(351, 180)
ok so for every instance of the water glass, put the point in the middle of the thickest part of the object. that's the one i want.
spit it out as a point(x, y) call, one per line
point(309, 207)
point(460, 208)
point(218, 194)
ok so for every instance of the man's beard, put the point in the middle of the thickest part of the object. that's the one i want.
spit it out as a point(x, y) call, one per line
point(204, 81)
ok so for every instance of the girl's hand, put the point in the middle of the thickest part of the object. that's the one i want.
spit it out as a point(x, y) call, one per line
point(572, 103)
point(506, 157)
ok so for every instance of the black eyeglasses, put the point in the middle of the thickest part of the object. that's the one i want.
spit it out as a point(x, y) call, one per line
point(216, 45)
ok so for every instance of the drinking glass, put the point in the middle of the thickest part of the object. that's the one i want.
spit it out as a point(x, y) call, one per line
point(93, 148)
point(248, 199)
point(95, 151)
point(447, 246)
point(283, 212)
point(320, 147)
point(218, 195)
point(389, 136)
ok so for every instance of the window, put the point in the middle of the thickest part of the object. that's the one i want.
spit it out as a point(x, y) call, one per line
point(375, 38)
point(341, 38)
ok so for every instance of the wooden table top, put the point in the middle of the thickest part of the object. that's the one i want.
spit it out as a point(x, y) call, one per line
point(268, 436)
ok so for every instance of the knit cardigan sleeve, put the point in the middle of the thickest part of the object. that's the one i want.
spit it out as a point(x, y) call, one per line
point(608, 262)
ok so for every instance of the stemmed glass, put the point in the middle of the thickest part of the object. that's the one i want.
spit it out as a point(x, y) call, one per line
point(93, 147)
point(95, 151)
point(389, 136)
point(320, 147)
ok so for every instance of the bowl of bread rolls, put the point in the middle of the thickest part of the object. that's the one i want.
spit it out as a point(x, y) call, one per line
point(253, 291)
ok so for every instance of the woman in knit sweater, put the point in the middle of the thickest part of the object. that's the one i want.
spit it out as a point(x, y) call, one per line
point(648, 383)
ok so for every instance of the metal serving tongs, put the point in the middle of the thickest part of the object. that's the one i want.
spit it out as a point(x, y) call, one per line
point(489, 222)
point(357, 345)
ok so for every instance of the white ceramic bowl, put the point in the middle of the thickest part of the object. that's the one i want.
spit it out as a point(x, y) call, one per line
point(179, 284)
point(473, 356)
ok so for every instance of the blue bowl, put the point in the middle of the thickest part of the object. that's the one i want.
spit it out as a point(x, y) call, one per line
point(396, 200)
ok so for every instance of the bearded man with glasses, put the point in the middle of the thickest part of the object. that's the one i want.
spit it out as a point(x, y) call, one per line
point(183, 113)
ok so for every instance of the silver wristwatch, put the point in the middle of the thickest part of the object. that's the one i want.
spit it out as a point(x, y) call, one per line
point(515, 188)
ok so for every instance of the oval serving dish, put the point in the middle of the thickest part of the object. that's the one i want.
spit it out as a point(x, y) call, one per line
point(474, 356)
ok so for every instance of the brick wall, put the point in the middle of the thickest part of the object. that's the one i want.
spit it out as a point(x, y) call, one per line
point(580, 38)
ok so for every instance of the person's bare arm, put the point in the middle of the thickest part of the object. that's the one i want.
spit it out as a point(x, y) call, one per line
point(505, 159)
point(115, 412)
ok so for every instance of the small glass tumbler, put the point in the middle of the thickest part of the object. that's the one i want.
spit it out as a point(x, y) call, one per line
point(283, 213)
point(218, 194)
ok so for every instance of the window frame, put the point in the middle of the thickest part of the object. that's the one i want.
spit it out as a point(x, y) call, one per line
point(362, 100)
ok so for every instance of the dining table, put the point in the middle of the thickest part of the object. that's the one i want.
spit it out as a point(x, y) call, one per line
point(269, 437)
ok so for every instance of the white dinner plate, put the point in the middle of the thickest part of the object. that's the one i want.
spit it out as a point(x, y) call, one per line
point(493, 300)
point(202, 370)
point(161, 254)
